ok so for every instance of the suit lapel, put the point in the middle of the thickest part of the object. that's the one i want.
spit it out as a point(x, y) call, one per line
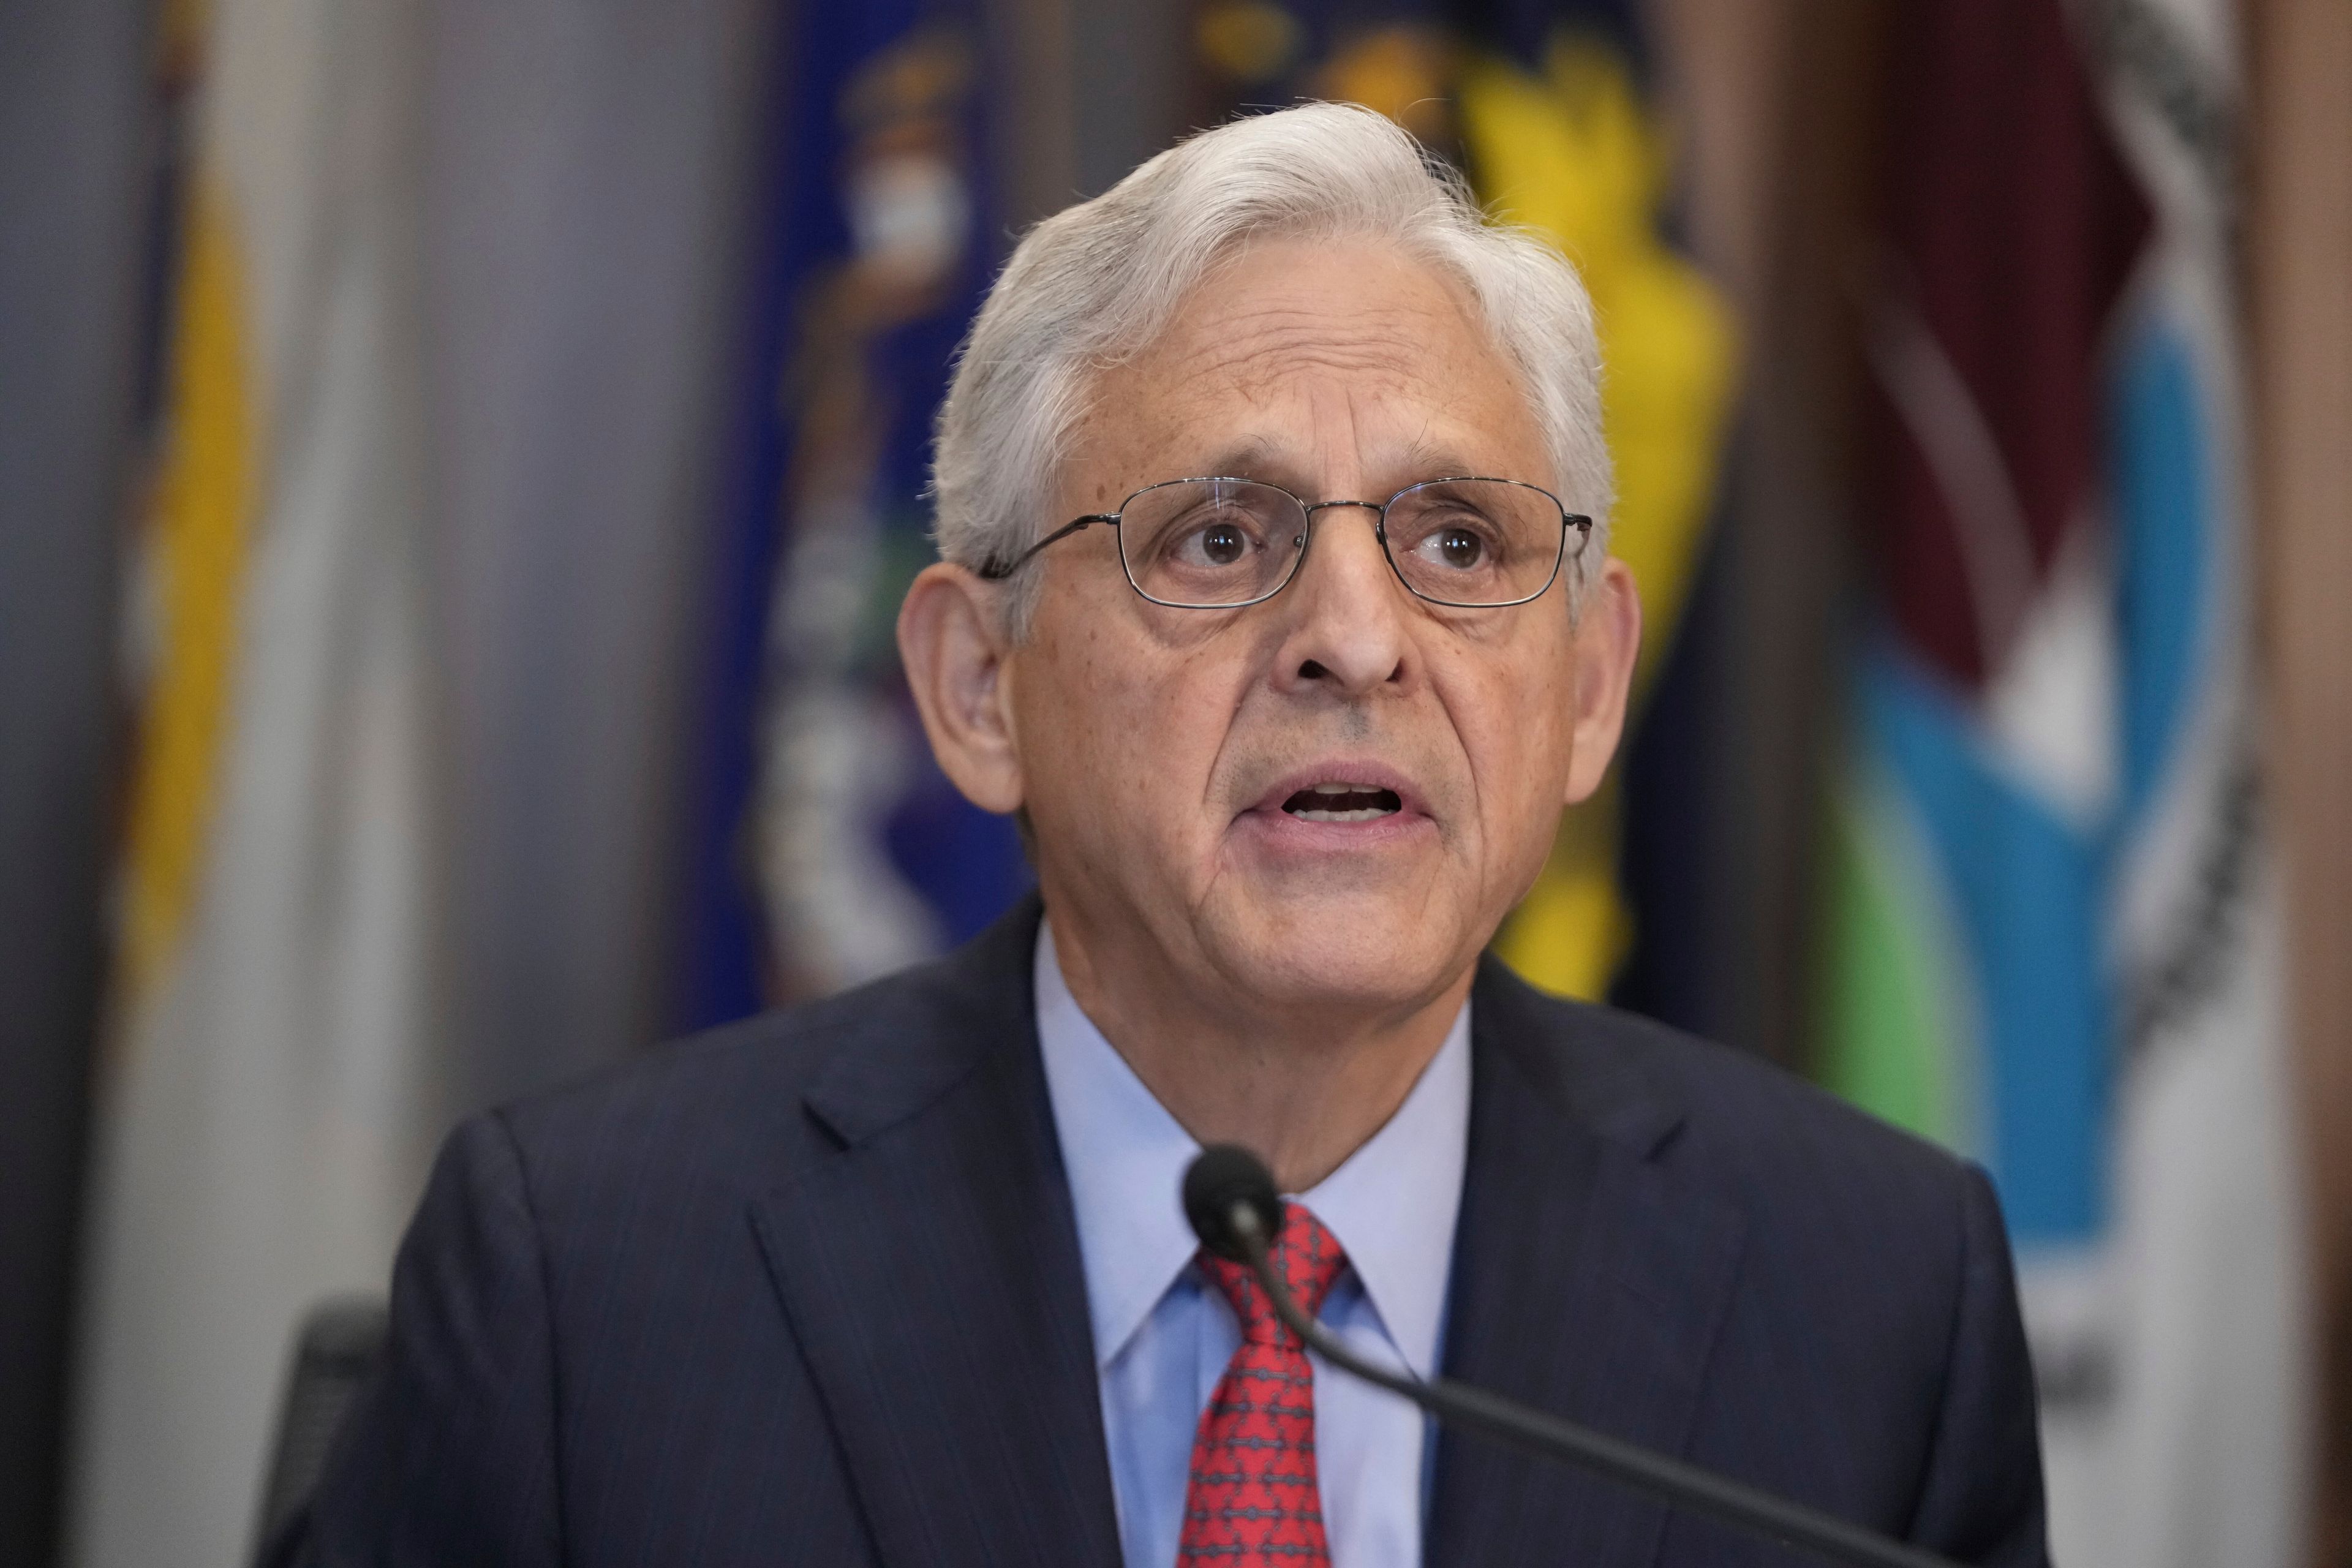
point(1585, 1282)
point(930, 1272)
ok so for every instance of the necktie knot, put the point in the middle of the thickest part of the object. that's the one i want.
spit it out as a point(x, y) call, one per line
point(1306, 1257)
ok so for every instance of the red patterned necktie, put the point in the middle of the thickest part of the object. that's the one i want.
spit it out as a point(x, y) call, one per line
point(1253, 1501)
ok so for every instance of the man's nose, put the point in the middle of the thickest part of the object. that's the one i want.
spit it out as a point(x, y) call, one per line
point(1347, 631)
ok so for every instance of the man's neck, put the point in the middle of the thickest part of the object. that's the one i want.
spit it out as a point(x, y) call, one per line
point(1303, 1090)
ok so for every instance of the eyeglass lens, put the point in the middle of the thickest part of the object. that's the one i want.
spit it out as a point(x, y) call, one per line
point(1209, 542)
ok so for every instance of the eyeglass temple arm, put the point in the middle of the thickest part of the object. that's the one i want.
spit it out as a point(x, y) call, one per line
point(997, 571)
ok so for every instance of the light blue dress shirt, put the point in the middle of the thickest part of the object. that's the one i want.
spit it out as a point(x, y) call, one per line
point(1162, 1334)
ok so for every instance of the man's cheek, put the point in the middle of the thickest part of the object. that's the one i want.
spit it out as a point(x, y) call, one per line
point(1121, 754)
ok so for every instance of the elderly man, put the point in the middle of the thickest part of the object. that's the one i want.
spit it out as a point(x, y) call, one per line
point(1276, 602)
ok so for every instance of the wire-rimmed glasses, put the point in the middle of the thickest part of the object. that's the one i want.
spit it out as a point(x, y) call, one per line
point(1468, 542)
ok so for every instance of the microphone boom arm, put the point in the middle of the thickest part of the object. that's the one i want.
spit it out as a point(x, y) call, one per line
point(1628, 1463)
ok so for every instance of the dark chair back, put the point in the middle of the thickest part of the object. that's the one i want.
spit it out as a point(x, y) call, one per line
point(335, 1353)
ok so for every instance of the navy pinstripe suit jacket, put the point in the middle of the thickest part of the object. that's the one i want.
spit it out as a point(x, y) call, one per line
point(807, 1290)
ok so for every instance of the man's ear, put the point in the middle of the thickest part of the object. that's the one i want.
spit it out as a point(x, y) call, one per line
point(952, 644)
point(1608, 641)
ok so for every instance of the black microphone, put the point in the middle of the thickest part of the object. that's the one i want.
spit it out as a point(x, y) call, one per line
point(1230, 1198)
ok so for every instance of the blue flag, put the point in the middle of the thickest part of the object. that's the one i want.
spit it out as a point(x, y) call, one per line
point(827, 846)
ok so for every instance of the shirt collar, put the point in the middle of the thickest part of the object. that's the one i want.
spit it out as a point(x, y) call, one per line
point(1391, 1205)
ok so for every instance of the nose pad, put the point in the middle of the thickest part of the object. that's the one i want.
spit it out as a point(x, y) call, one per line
point(1314, 526)
point(1387, 571)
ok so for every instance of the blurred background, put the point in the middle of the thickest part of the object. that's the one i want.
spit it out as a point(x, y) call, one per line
point(458, 465)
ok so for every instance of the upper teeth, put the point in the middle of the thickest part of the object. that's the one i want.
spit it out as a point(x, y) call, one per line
point(1337, 790)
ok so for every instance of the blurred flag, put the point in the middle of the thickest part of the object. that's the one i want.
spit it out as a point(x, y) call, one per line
point(1543, 102)
point(829, 849)
point(2052, 938)
point(261, 1134)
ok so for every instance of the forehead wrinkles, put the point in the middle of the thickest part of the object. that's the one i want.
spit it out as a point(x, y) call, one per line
point(1382, 323)
point(1249, 353)
point(1273, 339)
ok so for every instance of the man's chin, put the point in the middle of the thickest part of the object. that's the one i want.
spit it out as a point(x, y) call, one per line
point(1350, 957)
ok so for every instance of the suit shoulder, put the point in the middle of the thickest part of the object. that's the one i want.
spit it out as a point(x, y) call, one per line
point(1755, 1122)
point(732, 1099)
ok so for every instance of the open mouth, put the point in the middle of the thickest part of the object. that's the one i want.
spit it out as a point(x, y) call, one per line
point(1342, 802)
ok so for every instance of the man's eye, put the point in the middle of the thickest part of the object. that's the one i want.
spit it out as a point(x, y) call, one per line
point(1214, 544)
point(1457, 547)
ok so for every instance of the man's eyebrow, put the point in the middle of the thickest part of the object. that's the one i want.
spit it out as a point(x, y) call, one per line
point(1425, 460)
point(1260, 458)
point(1249, 460)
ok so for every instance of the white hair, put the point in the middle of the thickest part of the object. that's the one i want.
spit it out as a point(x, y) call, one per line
point(1098, 281)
